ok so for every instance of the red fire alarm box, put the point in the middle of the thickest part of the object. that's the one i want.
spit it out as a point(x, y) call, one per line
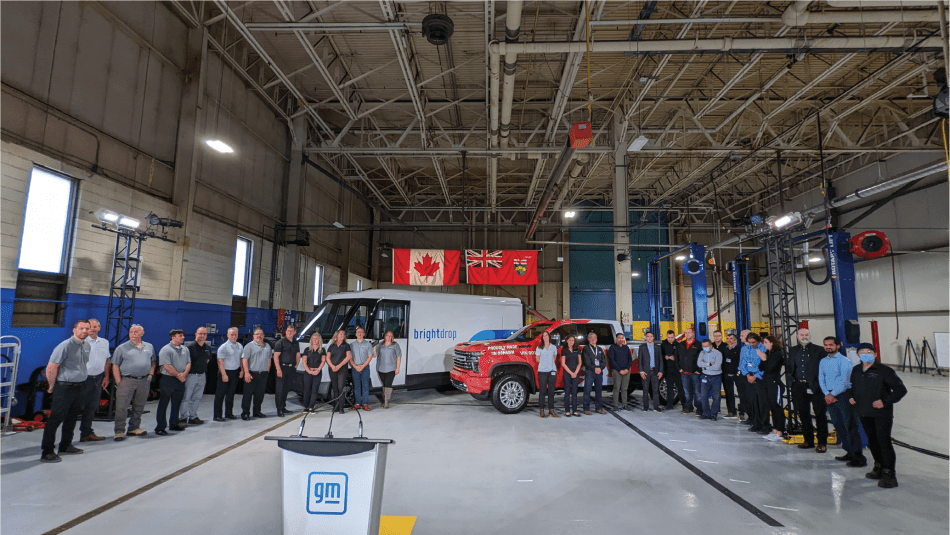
point(581, 135)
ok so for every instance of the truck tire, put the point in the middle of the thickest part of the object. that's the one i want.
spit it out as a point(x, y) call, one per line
point(509, 394)
point(665, 387)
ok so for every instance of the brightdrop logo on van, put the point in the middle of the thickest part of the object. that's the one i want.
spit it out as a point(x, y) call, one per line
point(438, 334)
point(326, 493)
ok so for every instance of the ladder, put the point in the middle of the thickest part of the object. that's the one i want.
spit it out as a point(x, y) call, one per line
point(9, 363)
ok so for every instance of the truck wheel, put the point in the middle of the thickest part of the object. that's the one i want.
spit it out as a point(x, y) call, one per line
point(667, 389)
point(509, 395)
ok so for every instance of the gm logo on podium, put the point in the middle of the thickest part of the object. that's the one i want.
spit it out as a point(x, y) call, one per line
point(326, 493)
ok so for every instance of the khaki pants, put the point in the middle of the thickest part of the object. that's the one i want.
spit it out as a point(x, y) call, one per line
point(621, 383)
point(130, 391)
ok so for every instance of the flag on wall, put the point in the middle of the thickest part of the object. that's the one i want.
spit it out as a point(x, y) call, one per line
point(503, 268)
point(426, 267)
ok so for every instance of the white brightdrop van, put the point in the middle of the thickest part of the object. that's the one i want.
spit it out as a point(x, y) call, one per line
point(427, 326)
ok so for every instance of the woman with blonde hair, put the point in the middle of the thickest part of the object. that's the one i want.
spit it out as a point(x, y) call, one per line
point(314, 357)
point(388, 362)
point(338, 356)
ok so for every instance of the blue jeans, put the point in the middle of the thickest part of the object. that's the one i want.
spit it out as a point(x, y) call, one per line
point(842, 417)
point(597, 382)
point(711, 386)
point(361, 385)
point(692, 391)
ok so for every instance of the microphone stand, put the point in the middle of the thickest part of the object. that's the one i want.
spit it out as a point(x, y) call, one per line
point(346, 390)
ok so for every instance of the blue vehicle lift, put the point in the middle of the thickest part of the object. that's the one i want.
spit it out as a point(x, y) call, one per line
point(695, 267)
point(780, 260)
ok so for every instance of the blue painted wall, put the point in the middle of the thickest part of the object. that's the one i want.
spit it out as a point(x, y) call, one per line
point(592, 268)
point(156, 316)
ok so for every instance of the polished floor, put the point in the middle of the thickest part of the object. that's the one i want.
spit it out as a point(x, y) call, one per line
point(459, 466)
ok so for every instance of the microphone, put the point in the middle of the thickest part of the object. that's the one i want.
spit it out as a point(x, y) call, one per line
point(361, 423)
point(346, 390)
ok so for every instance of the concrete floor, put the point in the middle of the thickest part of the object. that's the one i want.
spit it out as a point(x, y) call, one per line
point(461, 467)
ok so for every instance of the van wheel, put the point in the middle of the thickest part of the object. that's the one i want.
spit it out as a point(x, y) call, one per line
point(667, 389)
point(509, 395)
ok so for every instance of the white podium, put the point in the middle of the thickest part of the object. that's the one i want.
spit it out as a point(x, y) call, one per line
point(331, 485)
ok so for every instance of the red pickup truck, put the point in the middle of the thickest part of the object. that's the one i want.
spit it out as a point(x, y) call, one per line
point(506, 371)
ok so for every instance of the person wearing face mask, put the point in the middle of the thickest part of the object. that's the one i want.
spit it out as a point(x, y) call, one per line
point(875, 388)
point(834, 377)
point(742, 385)
point(755, 385)
point(674, 383)
point(803, 362)
point(710, 360)
point(730, 370)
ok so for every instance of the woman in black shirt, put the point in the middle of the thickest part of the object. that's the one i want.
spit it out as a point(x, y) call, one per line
point(338, 356)
point(314, 357)
point(771, 366)
point(571, 364)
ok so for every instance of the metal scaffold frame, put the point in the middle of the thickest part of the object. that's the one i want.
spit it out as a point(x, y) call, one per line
point(9, 364)
point(124, 287)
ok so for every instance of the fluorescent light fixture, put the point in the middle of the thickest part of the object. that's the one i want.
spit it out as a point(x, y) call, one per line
point(681, 258)
point(125, 221)
point(570, 213)
point(638, 143)
point(107, 216)
point(788, 219)
point(219, 146)
point(337, 224)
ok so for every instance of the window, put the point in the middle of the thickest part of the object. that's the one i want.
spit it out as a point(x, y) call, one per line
point(242, 267)
point(318, 287)
point(562, 333)
point(358, 319)
point(526, 334)
point(605, 334)
point(40, 295)
point(391, 316)
point(47, 223)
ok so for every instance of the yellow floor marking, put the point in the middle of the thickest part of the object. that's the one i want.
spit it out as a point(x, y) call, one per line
point(396, 525)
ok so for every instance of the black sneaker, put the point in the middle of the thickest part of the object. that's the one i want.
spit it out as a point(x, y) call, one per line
point(50, 458)
point(845, 457)
point(245, 417)
point(71, 450)
point(858, 462)
point(219, 419)
point(231, 417)
point(178, 427)
point(260, 415)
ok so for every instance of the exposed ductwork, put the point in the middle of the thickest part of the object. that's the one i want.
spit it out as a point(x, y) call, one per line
point(726, 44)
point(512, 33)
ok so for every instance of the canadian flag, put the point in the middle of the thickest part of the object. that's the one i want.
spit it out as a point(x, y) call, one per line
point(426, 267)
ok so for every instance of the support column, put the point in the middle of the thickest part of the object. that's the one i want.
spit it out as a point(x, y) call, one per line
point(190, 133)
point(290, 272)
point(623, 288)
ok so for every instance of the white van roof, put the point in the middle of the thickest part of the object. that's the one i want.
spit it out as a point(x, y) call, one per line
point(432, 297)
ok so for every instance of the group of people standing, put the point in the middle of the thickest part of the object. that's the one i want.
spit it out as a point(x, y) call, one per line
point(81, 366)
point(859, 397)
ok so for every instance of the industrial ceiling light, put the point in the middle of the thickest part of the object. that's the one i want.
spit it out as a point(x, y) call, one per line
point(127, 222)
point(634, 274)
point(681, 258)
point(219, 146)
point(793, 218)
point(638, 144)
point(570, 214)
point(107, 216)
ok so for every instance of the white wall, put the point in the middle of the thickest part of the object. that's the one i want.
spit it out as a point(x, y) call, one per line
point(923, 301)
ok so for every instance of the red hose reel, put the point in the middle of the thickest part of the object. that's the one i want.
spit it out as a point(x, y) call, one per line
point(870, 244)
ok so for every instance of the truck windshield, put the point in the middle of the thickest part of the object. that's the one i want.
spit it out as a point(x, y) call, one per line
point(337, 314)
point(530, 332)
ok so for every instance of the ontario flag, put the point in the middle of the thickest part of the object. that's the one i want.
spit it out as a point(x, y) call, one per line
point(426, 267)
point(503, 268)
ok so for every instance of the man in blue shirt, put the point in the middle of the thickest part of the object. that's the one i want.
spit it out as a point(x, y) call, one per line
point(756, 391)
point(834, 377)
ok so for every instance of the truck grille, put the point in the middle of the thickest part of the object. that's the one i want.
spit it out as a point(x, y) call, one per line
point(465, 360)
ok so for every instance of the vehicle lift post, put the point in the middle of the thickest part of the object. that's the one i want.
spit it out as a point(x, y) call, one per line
point(695, 267)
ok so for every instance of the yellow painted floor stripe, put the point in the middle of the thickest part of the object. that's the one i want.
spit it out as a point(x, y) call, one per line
point(396, 525)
